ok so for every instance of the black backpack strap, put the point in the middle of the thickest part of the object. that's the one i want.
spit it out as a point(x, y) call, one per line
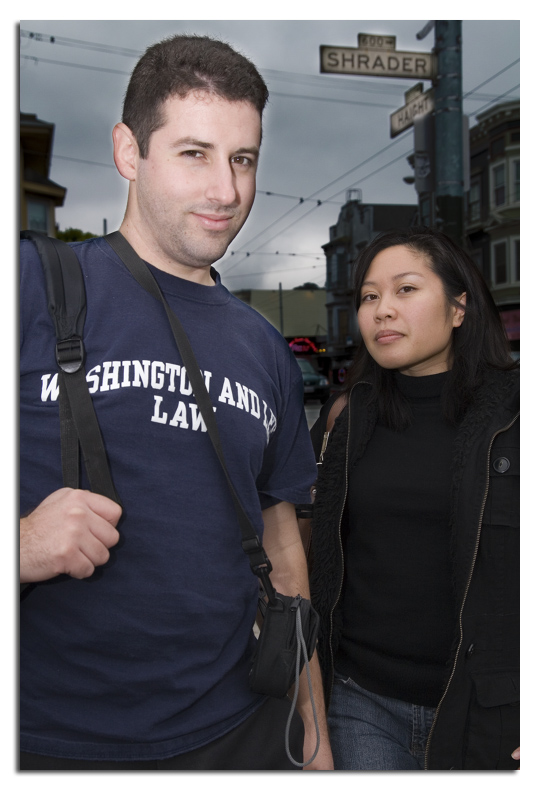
point(259, 562)
point(66, 297)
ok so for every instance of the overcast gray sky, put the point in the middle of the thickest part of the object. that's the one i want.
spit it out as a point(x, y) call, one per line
point(323, 134)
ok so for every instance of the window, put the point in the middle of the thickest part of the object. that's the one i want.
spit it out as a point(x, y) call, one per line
point(497, 148)
point(505, 268)
point(334, 260)
point(476, 256)
point(515, 259)
point(425, 210)
point(475, 200)
point(500, 276)
point(514, 197)
point(343, 319)
point(337, 268)
point(38, 215)
point(499, 185)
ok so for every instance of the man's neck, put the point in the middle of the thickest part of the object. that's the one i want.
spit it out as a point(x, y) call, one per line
point(155, 256)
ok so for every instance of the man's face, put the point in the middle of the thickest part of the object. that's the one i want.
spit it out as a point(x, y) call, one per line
point(195, 189)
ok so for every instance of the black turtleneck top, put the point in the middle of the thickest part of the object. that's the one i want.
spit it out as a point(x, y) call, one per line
point(398, 606)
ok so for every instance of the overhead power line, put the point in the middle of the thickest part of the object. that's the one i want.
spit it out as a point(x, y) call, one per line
point(341, 82)
point(75, 65)
point(382, 150)
point(278, 271)
point(78, 44)
point(327, 186)
point(315, 80)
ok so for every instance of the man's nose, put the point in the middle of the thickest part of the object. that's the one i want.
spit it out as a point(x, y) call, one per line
point(221, 186)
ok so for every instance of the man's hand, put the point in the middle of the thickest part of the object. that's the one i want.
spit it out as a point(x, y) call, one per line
point(283, 545)
point(71, 532)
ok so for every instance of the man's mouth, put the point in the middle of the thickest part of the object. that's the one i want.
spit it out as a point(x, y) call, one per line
point(214, 221)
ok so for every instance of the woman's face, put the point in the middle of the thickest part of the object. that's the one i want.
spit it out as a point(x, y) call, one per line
point(404, 317)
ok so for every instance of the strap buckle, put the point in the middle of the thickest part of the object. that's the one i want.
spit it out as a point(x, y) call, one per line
point(253, 546)
point(70, 354)
point(262, 570)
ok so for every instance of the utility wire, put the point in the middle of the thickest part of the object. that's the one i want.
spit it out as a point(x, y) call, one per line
point(75, 65)
point(327, 186)
point(340, 83)
point(248, 254)
point(498, 98)
point(281, 271)
point(75, 42)
point(331, 100)
point(135, 53)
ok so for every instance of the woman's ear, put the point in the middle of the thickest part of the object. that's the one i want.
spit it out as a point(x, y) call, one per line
point(126, 151)
point(459, 312)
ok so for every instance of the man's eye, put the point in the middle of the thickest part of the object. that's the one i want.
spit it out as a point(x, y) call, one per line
point(192, 154)
point(242, 160)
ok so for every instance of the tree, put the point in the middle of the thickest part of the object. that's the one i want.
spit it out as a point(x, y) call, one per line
point(73, 234)
point(307, 287)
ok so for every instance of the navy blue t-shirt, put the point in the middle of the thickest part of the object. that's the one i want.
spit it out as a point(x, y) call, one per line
point(150, 656)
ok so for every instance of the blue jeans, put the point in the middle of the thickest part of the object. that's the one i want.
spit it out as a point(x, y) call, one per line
point(369, 732)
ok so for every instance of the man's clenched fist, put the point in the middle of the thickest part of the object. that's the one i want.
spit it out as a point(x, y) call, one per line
point(71, 532)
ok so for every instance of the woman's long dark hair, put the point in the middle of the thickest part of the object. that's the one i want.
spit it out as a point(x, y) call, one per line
point(479, 344)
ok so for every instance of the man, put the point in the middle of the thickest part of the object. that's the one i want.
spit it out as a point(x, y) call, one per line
point(136, 642)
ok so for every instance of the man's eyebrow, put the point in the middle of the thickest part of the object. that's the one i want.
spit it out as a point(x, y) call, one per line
point(395, 277)
point(253, 151)
point(191, 141)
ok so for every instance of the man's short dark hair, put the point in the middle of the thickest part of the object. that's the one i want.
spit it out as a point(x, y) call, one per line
point(179, 65)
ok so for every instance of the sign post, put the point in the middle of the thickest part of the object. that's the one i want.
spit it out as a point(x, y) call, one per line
point(376, 56)
point(449, 130)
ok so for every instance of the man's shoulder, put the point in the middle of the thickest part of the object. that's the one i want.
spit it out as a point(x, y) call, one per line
point(94, 246)
point(256, 319)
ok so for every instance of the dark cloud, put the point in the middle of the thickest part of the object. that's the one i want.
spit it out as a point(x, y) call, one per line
point(307, 144)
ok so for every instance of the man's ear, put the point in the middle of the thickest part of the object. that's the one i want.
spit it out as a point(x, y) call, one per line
point(459, 313)
point(126, 151)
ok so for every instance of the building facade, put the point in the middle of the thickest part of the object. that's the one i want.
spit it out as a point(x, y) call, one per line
point(39, 196)
point(492, 209)
point(357, 225)
point(299, 314)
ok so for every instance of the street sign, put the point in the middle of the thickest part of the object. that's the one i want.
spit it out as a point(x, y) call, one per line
point(369, 41)
point(376, 56)
point(418, 103)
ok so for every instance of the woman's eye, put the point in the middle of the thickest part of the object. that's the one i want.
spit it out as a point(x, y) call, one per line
point(407, 288)
point(369, 297)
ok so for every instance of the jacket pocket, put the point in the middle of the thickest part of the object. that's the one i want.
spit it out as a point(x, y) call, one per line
point(493, 721)
point(502, 504)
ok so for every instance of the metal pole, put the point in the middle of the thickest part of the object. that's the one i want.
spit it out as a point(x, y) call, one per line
point(448, 129)
point(280, 309)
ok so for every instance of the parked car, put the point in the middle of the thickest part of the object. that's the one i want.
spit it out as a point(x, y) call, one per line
point(316, 385)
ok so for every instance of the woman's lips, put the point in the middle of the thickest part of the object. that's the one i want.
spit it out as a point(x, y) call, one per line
point(387, 336)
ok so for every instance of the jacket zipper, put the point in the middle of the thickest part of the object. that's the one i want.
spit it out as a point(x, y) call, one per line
point(475, 554)
point(340, 541)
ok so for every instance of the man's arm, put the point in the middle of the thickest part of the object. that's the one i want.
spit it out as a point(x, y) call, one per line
point(71, 532)
point(289, 576)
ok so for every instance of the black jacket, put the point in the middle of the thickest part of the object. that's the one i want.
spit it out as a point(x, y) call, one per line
point(476, 724)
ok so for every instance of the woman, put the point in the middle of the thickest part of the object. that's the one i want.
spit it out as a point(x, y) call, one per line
point(414, 546)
